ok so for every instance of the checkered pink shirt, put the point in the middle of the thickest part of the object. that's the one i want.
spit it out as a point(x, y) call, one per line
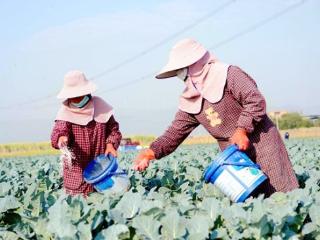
point(242, 106)
point(86, 142)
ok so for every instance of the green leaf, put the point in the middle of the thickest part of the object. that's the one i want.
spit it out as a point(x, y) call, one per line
point(84, 231)
point(194, 174)
point(149, 205)
point(179, 201)
point(7, 235)
point(97, 220)
point(129, 204)
point(212, 207)
point(183, 201)
point(197, 236)
point(173, 226)
point(60, 223)
point(167, 180)
point(11, 218)
point(315, 214)
point(220, 233)
point(8, 202)
point(36, 205)
point(116, 216)
point(114, 232)
point(198, 226)
point(147, 226)
point(309, 228)
point(4, 189)
point(40, 228)
point(258, 211)
point(75, 211)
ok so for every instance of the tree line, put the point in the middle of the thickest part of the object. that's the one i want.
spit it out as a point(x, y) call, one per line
point(295, 120)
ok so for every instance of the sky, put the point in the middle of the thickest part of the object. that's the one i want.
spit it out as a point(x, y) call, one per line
point(121, 44)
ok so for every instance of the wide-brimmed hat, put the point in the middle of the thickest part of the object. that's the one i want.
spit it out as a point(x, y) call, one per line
point(185, 53)
point(76, 84)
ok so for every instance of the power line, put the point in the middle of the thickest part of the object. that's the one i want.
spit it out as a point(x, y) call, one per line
point(257, 25)
point(217, 45)
point(128, 83)
point(233, 37)
point(28, 102)
point(163, 41)
point(140, 54)
point(115, 88)
point(221, 43)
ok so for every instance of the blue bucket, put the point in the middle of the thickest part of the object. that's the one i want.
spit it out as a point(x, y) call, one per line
point(102, 172)
point(234, 174)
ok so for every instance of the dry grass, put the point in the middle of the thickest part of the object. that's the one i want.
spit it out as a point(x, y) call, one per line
point(44, 148)
point(207, 139)
point(313, 132)
point(26, 149)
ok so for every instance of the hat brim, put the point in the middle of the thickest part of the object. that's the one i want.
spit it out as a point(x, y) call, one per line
point(77, 91)
point(170, 70)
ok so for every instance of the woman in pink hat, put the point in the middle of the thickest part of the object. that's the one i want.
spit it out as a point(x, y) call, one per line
point(227, 103)
point(85, 124)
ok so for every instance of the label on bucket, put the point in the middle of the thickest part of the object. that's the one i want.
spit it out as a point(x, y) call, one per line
point(229, 185)
point(234, 180)
point(247, 175)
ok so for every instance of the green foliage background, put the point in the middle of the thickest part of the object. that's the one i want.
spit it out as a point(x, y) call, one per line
point(295, 120)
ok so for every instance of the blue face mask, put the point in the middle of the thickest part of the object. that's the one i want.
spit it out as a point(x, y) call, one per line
point(82, 103)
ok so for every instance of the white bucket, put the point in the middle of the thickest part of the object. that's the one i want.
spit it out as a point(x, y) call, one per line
point(234, 174)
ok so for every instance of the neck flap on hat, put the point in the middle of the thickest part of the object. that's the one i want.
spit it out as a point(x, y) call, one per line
point(207, 79)
point(96, 109)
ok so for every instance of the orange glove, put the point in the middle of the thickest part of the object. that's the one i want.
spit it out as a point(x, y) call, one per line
point(240, 138)
point(142, 160)
point(110, 149)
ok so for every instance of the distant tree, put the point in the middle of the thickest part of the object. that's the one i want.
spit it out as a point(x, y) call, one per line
point(294, 120)
point(316, 123)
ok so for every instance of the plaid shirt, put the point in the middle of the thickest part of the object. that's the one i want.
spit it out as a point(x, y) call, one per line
point(242, 106)
point(86, 142)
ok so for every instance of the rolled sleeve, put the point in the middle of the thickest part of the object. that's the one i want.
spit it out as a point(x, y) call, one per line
point(61, 128)
point(245, 91)
point(113, 134)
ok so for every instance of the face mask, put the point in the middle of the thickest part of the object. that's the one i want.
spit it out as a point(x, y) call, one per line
point(182, 74)
point(82, 103)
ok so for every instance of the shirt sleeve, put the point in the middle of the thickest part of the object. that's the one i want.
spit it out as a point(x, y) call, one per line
point(61, 128)
point(245, 91)
point(113, 134)
point(183, 124)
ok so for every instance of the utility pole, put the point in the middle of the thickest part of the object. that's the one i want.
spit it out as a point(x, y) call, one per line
point(276, 114)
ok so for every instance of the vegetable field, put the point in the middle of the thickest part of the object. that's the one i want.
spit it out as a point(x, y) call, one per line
point(168, 201)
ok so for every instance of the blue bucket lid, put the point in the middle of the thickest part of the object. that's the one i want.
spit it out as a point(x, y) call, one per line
point(216, 163)
point(99, 168)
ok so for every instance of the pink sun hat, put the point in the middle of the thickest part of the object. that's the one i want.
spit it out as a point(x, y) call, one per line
point(185, 53)
point(76, 84)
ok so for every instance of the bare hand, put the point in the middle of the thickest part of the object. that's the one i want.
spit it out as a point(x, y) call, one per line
point(63, 141)
point(110, 150)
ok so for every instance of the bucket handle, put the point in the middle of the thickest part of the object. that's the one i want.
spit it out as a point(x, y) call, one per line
point(242, 164)
point(123, 172)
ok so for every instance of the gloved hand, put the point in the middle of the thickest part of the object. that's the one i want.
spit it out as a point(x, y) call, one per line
point(240, 138)
point(142, 160)
point(62, 141)
point(110, 149)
